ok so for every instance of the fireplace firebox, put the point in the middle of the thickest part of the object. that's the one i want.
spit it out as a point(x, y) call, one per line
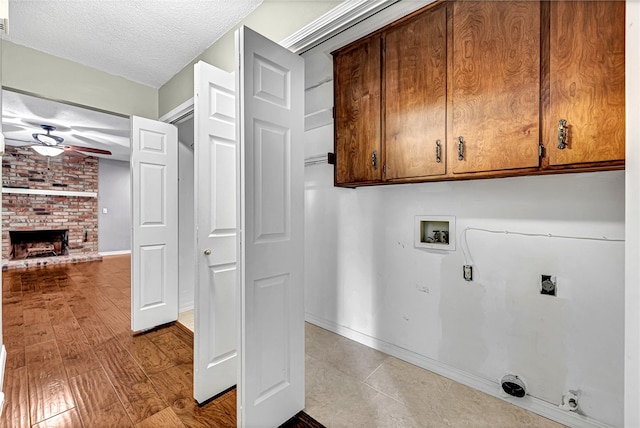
point(27, 244)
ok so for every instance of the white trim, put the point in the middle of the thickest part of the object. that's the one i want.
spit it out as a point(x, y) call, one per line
point(491, 387)
point(3, 361)
point(341, 17)
point(186, 307)
point(114, 253)
point(179, 114)
point(346, 15)
point(49, 192)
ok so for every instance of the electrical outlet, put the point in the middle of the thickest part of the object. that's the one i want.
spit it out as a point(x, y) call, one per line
point(467, 272)
point(548, 285)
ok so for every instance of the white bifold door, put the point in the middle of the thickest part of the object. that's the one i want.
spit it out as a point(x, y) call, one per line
point(271, 216)
point(216, 305)
point(154, 247)
point(249, 175)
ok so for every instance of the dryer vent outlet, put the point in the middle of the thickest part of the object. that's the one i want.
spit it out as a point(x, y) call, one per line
point(513, 385)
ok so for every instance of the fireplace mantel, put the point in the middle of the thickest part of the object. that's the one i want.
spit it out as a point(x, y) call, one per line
point(22, 191)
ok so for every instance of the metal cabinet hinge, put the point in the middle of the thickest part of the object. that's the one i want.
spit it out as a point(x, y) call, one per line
point(540, 151)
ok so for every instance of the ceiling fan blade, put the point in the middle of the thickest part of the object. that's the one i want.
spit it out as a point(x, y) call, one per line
point(74, 153)
point(88, 150)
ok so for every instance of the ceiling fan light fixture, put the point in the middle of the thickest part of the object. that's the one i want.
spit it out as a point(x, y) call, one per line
point(49, 140)
point(48, 150)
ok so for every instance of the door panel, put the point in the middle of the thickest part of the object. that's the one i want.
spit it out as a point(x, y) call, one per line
point(496, 85)
point(587, 81)
point(357, 106)
point(154, 261)
point(415, 87)
point(216, 310)
point(271, 176)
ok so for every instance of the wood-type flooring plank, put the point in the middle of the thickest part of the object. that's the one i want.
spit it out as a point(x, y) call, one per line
point(72, 357)
point(77, 355)
point(176, 385)
point(97, 401)
point(38, 333)
point(135, 390)
point(145, 352)
point(165, 418)
point(95, 330)
point(16, 408)
point(175, 349)
point(68, 419)
point(49, 392)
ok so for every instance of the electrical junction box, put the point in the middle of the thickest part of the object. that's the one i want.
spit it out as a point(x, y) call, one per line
point(435, 232)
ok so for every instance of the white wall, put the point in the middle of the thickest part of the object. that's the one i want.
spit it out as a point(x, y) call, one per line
point(114, 195)
point(632, 299)
point(364, 275)
point(186, 227)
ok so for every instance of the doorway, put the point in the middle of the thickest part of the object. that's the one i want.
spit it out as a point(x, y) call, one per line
point(186, 225)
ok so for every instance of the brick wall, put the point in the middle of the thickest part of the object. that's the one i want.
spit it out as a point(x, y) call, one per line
point(23, 168)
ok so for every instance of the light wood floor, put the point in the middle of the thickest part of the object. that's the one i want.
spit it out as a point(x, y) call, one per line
point(72, 360)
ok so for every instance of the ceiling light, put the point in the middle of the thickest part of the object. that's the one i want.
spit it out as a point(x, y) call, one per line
point(47, 150)
point(48, 139)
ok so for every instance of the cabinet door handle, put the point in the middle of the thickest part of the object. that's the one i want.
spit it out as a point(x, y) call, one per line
point(374, 159)
point(562, 134)
point(438, 151)
point(460, 148)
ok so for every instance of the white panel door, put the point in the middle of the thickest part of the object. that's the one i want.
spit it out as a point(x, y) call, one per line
point(154, 249)
point(216, 311)
point(271, 206)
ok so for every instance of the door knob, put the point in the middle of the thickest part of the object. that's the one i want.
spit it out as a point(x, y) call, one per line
point(207, 252)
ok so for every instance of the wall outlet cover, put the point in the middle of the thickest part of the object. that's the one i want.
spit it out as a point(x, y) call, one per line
point(467, 272)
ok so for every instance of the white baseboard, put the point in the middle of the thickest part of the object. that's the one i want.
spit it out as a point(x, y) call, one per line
point(533, 404)
point(3, 361)
point(186, 307)
point(114, 253)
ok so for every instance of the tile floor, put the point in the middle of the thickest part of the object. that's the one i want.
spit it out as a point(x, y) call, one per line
point(352, 385)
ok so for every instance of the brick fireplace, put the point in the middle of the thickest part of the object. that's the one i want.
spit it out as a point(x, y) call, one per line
point(49, 208)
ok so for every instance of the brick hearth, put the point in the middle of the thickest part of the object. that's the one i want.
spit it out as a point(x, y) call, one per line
point(26, 170)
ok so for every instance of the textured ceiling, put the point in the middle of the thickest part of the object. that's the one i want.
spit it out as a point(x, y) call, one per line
point(22, 116)
point(146, 41)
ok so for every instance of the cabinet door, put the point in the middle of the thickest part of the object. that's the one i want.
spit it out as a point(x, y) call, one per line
point(587, 81)
point(496, 86)
point(357, 113)
point(415, 96)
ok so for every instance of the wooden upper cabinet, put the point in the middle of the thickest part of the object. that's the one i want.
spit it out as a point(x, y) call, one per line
point(357, 113)
point(587, 88)
point(415, 96)
point(495, 86)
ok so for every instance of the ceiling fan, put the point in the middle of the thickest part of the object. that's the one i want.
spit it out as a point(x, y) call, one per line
point(51, 145)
